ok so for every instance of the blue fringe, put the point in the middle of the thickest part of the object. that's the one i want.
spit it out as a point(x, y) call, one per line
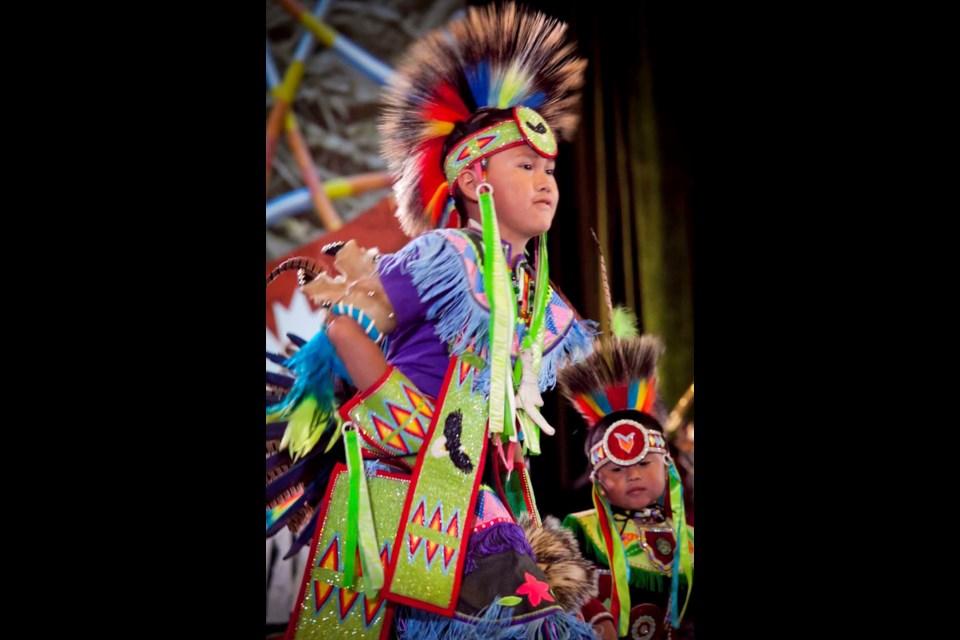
point(436, 268)
point(574, 347)
point(494, 623)
point(437, 271)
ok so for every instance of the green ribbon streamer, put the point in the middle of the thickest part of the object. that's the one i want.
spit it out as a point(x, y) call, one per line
point(682, 551)
point(618, 563)
point(360, 527)
point(531, 434)
point(531, 441)
point(540, 304)
point(496, 282)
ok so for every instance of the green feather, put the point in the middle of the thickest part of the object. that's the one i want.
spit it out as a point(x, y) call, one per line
point(304, 428)
point(624, 323)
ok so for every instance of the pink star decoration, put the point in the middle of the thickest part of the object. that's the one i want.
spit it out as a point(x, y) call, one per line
point(535, 590)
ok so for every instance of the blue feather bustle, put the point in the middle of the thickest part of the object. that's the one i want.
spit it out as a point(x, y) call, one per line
point(316, 366)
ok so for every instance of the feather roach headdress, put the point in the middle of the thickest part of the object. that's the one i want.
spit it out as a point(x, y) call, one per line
point(615, 389)
point(500, 57)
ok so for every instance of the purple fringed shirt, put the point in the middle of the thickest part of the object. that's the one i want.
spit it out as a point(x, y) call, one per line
point(414, 347)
